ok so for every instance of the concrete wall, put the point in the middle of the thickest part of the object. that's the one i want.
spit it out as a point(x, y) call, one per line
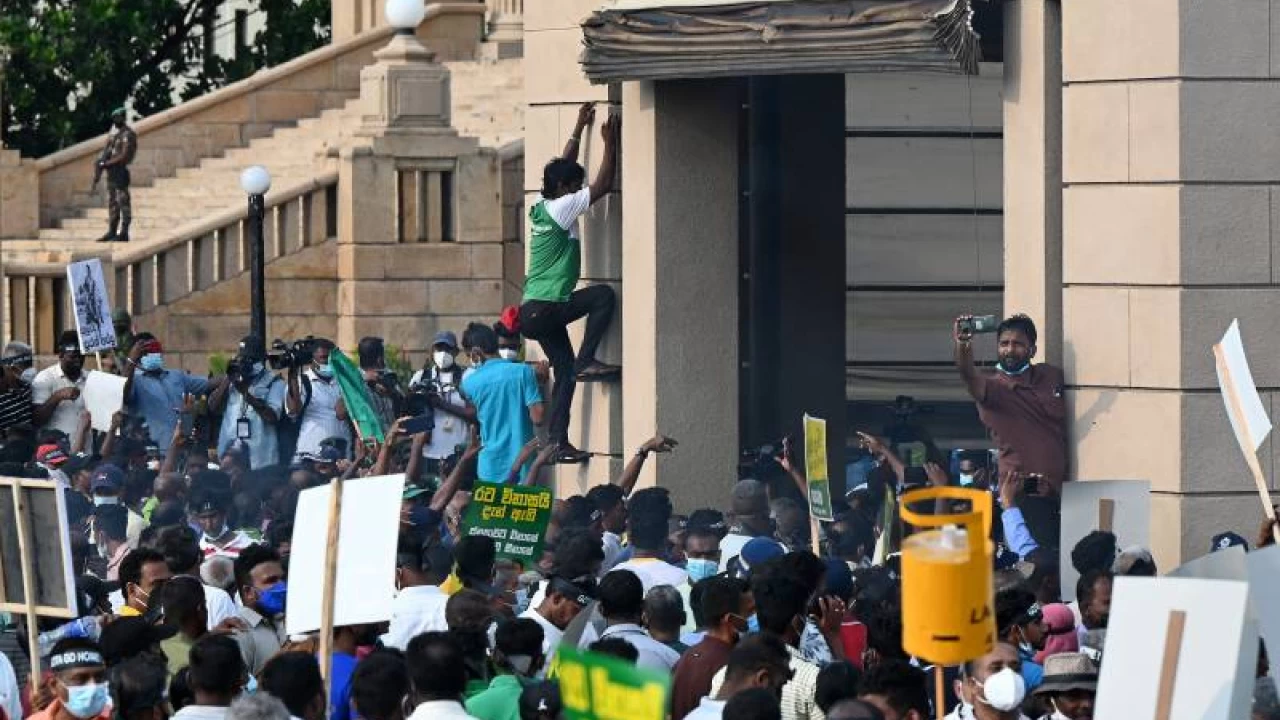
point(1169, 232)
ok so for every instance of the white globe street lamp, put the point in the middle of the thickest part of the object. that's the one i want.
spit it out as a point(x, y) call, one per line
point(405, 15)
point(256, 181)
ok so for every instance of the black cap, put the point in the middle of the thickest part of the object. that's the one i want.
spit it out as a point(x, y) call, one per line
point(125, 637)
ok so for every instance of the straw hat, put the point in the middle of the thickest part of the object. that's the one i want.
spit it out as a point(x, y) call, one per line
point(1068, 671)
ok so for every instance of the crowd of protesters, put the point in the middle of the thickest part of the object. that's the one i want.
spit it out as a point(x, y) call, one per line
point(181, 525)
point(181, 554)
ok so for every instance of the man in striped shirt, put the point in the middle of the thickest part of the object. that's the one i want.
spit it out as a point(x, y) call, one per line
point(15, 393)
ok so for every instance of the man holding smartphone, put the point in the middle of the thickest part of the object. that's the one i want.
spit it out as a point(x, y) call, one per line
point(1021, 404)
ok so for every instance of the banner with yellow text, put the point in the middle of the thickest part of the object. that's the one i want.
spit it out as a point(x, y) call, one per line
point(599, 687)
point(515, 516)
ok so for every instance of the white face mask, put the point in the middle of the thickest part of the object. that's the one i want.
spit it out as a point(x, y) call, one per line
point(1057, 714)
point(442, 359)
point(507, 353)
point(100, 500)
point(965, 480)
point(1004, 691)
point(28, 376)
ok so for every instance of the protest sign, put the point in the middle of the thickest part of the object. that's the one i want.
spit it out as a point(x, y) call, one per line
point(92, 306)
point(103, 397)
point(1262, 568)
point(815, 466)
point(1122, 507)
point(515, 516)
point(1248, 418)
point(1179, 646)
point(364, 575)
point(599, 687)
point(36, 573)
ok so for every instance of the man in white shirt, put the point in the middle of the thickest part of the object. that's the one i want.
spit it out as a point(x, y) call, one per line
point(443, 381)
point(564, 600)
point(622, 604)
point(757, 661)
point(314, 401)
point(419, 603)
point(649, 512)
point(437, 677)
point(56, 390)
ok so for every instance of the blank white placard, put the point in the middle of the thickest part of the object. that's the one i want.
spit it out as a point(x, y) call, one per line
point(365, 584)
point(1215, 652)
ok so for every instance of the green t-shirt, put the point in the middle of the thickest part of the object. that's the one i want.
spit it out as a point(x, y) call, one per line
point(555, 254)
point(500, 702)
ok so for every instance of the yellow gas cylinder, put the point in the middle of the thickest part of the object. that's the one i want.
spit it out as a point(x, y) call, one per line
point(947, 614)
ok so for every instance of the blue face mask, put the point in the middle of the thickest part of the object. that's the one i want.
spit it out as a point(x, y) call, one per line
point(700, 569)
point(1017, 371)
point(325, 370)
point(271, 600)
point(87, 701)
point(152, 362)
point(251, 687)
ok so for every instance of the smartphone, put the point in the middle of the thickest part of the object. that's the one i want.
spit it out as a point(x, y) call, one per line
point(188, 422)
point(853, 637)
point(419, 424)
point(980, 324)
point(1034, 484)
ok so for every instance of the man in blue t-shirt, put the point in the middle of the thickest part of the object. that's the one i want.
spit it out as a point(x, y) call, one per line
point(507, 401)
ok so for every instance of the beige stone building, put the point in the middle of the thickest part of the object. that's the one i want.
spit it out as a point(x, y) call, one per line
point(796, 224)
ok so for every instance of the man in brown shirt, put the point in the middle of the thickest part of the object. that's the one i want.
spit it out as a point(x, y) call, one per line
point(1020, 403)
point(726, 605)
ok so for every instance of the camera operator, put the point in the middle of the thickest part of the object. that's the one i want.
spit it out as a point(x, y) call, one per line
point(251, 401)
point(440, 381)
point(1021, 404)
point(315, 402)
point(384, 389)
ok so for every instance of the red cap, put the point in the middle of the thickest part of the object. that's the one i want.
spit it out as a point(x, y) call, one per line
point(50, 455)
point(510, 319)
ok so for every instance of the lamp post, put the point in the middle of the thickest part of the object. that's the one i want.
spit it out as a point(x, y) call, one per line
point(256, 181)
point(405, 15)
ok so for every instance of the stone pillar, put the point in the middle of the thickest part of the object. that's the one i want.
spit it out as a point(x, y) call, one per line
point(1032, 98)
point(680, 313)
point(1170, 222)
point(420, 231)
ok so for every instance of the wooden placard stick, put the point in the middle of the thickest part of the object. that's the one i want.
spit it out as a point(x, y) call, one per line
point(1106, 514)
point(1250, 454)
point(1169, 665)
point(939, 699)
point(330, 584)
point(28, 582)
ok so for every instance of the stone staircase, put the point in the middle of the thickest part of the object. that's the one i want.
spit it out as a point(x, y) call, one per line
point(487, 103)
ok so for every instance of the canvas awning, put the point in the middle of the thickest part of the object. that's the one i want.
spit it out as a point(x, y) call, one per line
point(669, 39)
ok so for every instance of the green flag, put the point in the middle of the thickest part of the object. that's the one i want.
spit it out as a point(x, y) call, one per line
point(355, 394)
point(599, 687)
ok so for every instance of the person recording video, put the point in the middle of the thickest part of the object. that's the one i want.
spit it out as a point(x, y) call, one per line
point(1019, 402)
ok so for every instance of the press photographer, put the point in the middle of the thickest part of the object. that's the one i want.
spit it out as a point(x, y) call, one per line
point(314, 400)
point(251, 401)
point(437, 387)
point(384, 389)
point(1020, 403)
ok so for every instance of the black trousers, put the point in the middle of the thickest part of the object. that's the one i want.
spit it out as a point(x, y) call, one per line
point(547, 322)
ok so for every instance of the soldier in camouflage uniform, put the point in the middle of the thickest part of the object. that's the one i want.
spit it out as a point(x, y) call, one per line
point(115, 160)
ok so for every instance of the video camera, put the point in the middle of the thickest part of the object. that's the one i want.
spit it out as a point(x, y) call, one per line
point(298, 354)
